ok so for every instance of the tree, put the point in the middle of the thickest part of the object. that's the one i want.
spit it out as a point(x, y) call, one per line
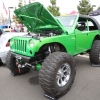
point(16, 19)
point(53, 8)
point(98, 8)
point(84, 7)
point(20, 4)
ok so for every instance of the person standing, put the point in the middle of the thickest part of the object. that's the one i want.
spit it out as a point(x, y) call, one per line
point(12, 30)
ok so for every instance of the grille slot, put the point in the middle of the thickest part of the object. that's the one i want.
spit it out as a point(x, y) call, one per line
point(20, 45)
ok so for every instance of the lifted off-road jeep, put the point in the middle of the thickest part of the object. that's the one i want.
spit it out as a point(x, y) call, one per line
point(51, 45)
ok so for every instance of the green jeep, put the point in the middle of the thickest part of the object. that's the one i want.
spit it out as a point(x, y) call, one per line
point(50, 46)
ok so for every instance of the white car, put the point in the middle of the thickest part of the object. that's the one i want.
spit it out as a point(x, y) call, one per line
point(5, 44)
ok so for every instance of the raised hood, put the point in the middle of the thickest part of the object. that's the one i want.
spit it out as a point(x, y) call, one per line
point(35, 17)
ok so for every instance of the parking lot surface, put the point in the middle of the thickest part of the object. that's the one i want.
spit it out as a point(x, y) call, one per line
point(26, 87)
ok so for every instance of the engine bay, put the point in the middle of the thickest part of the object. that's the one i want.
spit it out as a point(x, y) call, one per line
point(44, 33)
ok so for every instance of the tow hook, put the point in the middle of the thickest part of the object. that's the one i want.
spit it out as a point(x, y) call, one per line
point(29, 66)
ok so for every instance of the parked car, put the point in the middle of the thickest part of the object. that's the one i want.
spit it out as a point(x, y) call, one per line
point(5, 44)
point(50, 51)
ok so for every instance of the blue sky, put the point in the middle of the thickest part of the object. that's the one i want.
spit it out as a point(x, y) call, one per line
point(66, 6)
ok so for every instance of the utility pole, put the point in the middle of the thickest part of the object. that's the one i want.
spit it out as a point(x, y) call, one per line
point(9, 15)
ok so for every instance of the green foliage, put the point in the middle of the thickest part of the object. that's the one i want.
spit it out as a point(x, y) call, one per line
point(20, 4)
point(53, 8)
point(98, 8)
point(84, 7)
point(16, 20)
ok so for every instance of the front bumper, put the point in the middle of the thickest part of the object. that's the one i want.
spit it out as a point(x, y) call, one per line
point(3, 57)
point(23, 58)
point(30, 60)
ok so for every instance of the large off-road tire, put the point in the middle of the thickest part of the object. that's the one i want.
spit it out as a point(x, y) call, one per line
point(95, 52)
point(1, 63)
point(57, 74)
point(11, 64)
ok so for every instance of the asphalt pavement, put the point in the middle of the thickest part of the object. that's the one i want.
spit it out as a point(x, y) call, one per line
point(26, 87)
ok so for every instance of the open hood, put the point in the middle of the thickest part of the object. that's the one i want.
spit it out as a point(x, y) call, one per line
point(35, 17)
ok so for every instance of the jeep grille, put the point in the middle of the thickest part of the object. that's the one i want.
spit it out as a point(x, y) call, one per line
point(20, 45)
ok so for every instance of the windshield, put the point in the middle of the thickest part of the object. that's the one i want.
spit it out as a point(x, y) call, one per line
point(67, 21)
point(97, 18)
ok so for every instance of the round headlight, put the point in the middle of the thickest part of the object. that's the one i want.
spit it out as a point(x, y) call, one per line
point(31, 43)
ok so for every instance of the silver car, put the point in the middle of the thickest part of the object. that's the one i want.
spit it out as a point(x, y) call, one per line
point(5, 44)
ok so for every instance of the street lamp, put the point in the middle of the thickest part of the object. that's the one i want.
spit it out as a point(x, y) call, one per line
point(9, 15)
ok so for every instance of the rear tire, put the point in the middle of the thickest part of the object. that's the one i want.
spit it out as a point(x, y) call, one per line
point(1, 63)
point(11, 64)
point(57, 74)
point(95, 53)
